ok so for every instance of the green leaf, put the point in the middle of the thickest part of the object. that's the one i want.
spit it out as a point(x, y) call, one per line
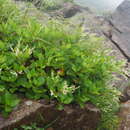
point(39, 81)
point(2, 88)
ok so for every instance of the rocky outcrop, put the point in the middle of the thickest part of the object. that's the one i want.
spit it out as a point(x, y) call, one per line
point(68, 10)
point(120, 23)
point(65, 9)
point(116, 29)
point(72, 117)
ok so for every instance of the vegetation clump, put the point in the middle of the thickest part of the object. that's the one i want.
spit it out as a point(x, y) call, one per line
point(53, 63)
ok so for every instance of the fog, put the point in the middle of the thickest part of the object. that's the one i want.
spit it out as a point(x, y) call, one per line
point(100, 5)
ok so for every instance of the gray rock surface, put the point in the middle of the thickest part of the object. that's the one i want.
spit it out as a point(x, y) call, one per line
point(124, 115)
point(121, 27)
point(72, 117)
point(69, 10)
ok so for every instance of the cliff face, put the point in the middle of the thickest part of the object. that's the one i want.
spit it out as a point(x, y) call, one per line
point(120, 21)
point(120, 36)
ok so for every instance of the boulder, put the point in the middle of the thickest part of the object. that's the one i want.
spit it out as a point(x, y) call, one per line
point(43, 112)
point(120, 22)
point(67, 10)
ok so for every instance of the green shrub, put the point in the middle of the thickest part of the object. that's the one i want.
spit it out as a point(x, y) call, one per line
point(50, 4)
point(31, 127)
point(55, 63)
point(109, 106)
point(8, 10)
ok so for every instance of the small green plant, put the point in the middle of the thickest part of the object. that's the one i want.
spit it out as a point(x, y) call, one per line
point(8, 11)
point(53, 4)
point(7, 101)
point(55, 63)
point(108, 103)
point(33, 126)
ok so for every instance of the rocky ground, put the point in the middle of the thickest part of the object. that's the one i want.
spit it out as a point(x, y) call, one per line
point(72, 117)
point(116, 33)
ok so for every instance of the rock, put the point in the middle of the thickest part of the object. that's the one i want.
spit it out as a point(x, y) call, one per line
point(125, 91)
point(72, 117)
point(20, 115)
point(120, 22)
point(128, 91)
point(28, 103)
point(124, 115)
point(76, 118)
point(50, 128)
point(67, 10)
point(93, 108)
